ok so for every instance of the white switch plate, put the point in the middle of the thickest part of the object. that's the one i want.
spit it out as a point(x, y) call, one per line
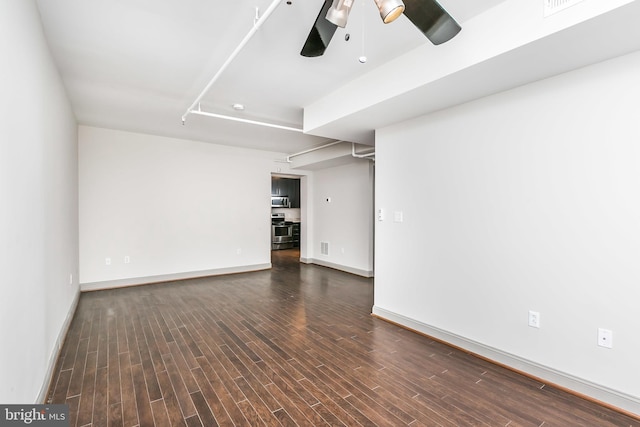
point(107, 261)
point(380, 215)
point(398, 216)
point(605, 338)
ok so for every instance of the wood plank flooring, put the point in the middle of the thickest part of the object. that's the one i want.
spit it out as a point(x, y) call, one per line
point(291, 346)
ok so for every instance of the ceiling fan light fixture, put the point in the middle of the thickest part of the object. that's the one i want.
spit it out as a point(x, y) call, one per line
point(338, 13)
point(390, 10)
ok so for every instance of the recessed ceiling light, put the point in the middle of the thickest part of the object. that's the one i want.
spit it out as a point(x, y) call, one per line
point(238, 107)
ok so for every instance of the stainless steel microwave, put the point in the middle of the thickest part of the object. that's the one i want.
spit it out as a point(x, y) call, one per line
point(280, 202)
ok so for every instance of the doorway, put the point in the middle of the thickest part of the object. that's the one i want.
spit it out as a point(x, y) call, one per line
point(288, 212)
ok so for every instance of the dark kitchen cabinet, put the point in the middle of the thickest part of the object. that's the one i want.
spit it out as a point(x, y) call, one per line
point(296, 235)
point(276, 187)
point(294, 197)
point(287, 187)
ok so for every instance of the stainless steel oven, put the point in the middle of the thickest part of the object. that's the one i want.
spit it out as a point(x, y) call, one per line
point(281, 233)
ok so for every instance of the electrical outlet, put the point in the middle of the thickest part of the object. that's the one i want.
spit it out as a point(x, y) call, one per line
point(127, 259)
point(107, 261)
point(534, 319)
point(605, 338)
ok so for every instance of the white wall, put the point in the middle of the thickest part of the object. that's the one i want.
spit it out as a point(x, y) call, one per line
point(176, 208)
point(346, 222)
point(38, 218)
point(526, 200)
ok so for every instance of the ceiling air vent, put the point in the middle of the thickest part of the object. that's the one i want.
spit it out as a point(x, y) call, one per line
point(554, 6)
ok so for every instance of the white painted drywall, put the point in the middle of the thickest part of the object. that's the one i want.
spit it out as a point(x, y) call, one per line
point(38, 218)
point(525, 200)
point(174, 207)
point(346, 221)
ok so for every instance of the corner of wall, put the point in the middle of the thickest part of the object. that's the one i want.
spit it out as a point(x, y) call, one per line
point(56, 352)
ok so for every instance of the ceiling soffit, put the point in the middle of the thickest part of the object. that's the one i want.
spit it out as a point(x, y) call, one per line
point(483, 59)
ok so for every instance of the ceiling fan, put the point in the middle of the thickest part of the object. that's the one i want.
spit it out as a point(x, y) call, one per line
point(427, 15)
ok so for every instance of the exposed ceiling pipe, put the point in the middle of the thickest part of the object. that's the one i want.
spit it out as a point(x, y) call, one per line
point(238, 119)
point(235, 53)
point(361, 156)
point(311, 150)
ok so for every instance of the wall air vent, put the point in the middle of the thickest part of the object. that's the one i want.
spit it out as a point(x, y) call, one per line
point(554, 6)
point(324, 248)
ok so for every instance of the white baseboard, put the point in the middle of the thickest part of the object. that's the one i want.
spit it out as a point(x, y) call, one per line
point(579, 386)
point(345, 268)
point(53, 357)
point(134, 281)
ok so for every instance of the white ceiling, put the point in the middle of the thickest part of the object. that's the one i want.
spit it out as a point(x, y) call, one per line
point(138, 65)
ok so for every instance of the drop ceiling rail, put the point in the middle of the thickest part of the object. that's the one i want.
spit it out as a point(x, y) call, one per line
point(230, 59)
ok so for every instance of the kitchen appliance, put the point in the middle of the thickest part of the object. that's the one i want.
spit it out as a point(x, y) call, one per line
point(280, 202)
point(281, 232)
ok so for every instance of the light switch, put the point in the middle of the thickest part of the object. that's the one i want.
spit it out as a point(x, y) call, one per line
point(380, 215)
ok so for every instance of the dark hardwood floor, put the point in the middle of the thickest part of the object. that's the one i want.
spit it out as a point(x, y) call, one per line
point(295, 345)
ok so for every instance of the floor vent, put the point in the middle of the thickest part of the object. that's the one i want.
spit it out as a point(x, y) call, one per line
point(324, 248)
point(554, 6)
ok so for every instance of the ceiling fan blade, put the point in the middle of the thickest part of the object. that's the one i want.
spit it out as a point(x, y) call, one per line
point(320, 34)
point(432, 20)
